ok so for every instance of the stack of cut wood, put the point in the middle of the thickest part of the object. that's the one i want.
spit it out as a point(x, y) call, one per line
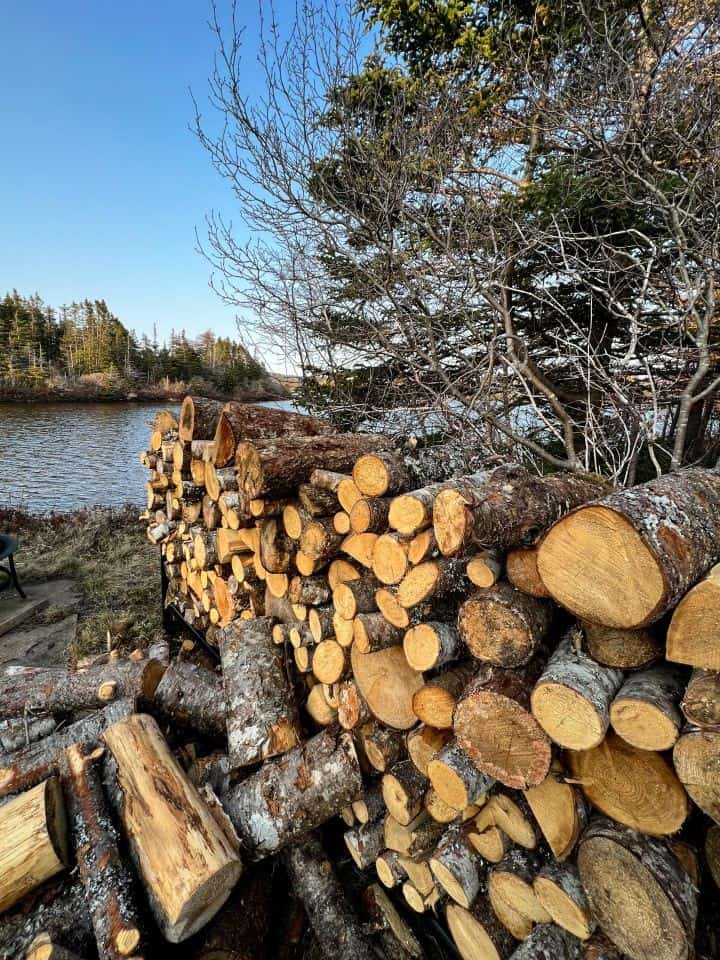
point(504, 688)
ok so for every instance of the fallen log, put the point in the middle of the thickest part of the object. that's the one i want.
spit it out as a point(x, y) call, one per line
point(292, 795)
point(21, 732)
point(108, 880)
point(261, 713)
point(659, 919)
point(184, 858)
point(331, 916)
point(629, 558)
point(33, 841)
point(191, 696)
point(248, 421)
point(27, 767)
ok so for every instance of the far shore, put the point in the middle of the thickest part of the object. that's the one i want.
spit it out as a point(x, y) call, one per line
point(91, 393)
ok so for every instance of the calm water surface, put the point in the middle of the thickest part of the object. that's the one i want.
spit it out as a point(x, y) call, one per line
point(64, 456)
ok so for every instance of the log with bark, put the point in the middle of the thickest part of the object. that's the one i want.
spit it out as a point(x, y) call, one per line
point(191, 696)
point(560, 811)
point(186, 862)
point(625, 649)
point(22, 731)
point(561, 894)
point(693, 631)
point(477, 932)
point(646, 710)
point(701, 700)
point(504, 626)
point(627, 559)
point(248, 421)
point(696, 758)
point(198, 418)
point(60, 918)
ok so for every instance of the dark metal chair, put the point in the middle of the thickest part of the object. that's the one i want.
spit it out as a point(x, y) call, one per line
point(8, 546)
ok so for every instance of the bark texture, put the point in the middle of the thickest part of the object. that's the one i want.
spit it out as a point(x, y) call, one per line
point(504, 626)
point(192, 696)
point(198, 418)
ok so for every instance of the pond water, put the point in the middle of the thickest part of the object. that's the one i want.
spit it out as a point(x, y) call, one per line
point(65, 456)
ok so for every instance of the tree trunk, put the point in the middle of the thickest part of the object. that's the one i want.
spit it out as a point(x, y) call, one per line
point(504, 626)
point(658, 920)
point(625, 649)
point(186, 862)
point(635, 787)
point(560, 892)
point(192, 696)
point(314, 591)
point(388, 684)
point(456, 779)
point(24, 768)
point(261, 714)
point(247, 421)
point(58, 691)
point(33, 841)
point(198, 418)
point(108, 881)
point(628, 559)
point(506, 508)
point(273, 468)
point(571, 700)
point(692, 634)
point(696, 757)
point(701, 702)
point(331, 916)
point(646, 712)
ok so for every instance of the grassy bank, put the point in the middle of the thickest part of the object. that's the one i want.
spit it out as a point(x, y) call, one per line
point(108, 390)
point(117, 571)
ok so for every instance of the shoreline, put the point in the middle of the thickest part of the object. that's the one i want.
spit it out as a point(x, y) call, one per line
point(84, 394)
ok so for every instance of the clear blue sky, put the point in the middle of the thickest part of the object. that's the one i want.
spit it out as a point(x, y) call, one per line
point(102, 184)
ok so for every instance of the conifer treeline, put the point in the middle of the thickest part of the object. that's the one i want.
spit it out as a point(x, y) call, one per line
point(39, 342)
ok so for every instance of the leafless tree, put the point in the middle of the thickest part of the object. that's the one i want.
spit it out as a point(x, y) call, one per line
point(543, 287)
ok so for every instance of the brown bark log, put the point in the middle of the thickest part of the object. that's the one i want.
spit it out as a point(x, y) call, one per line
point(191, 696)
point(658, 921)
point(42, 948)
point(504, 626)
point(433, 579)
point(638, 788)
point(571, 700)
point(423, 546)
point(352, 709)
point(693, 631)
point(506, 508)
point(330, 661)
point(272, 468)
point(388, 685)
point(360, 547)
point(331, 916)
point(289, 797)
point(355, 597)
point(108, 881)
point(456, 779)
point(25, 768)
point(186, 862)
point(57, 691)
point(485, 569)
point(198, 418)
point(313, 591)
point(261, 714)
point(382, 746)
point(316, 502)
point(412, 512)
point(646, 711)
point(247, 421)
point(599, 947)
point(276, 547)
point(630, 557)
point(511, 892)
point(512, 748)
point(423, 742)
point(33, 841)
point(320, 540)
point(371, 806)
point(219, 480)
point(390, 558)
point(211, 514)
point(701, 701)
point(434, 703)
point(625, 649)
point(370, 514)
point(696, 757)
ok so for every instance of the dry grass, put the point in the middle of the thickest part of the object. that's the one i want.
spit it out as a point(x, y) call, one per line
point(116, 568)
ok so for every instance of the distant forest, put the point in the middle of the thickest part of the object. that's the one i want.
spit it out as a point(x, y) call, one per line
point(40, 344)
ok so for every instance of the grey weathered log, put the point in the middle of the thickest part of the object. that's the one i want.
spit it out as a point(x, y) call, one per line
point(366, 843)
point(261, 713)
point(21, 732)
point(24, 768)
point(331, 915)
point(290, 796)
point(192, 696)
point(548, 942)
point(64, 918)
point(646, 710)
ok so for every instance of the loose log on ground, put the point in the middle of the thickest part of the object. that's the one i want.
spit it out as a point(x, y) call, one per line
point(629, 558)
point(184, 858)
point(58, 691)
point(656, 922)
point(456, 779)
point(20, 732)
point(273, 468)
point(33, 841)
point(560, 892)
point(571, 700)
point(198, 418)
point(638, 788)
point(246, 421)
point(192, 696)
point(261, 714)
point(477, 932)
point(457, 867)
point(434, 703)
point(504, 626)
point(512, 748)
point(62, 920)
point(403, 788)
point(522, 572)
point(626, 649)
point(388, 685)
point(431, 645)
point(293, 794)
point(27, 767)
point(645, 711)
point(506, 508)
point(696, 757)
point(693, 631)
point(701, 701)
point(107, 878)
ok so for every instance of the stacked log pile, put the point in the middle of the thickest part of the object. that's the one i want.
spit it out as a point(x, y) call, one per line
point(500, 688)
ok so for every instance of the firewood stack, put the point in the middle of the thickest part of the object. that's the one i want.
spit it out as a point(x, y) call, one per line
point(505, 688)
